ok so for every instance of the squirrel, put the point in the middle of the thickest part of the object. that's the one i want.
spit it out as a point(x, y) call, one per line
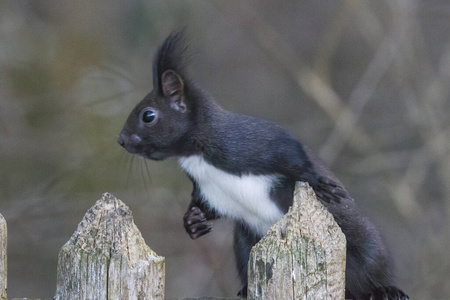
point(245, 169)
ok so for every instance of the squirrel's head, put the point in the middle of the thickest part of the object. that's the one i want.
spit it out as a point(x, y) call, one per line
point(157, 127)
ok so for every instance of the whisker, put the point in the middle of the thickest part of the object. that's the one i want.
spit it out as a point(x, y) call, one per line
point(149, 178)
point(122, 162)
point(142, 168)
point(129, 169)
point(148, 171)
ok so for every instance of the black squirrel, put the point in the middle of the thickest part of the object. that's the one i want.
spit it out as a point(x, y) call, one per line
point(245, 168)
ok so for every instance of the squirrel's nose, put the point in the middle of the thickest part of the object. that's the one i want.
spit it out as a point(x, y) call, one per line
point(121, 139)
point(131, 143)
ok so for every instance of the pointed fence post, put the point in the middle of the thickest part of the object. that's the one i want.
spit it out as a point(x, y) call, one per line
point(107, 258)
point(302, 256)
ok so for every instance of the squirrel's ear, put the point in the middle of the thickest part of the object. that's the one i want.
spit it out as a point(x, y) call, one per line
point(173, 88)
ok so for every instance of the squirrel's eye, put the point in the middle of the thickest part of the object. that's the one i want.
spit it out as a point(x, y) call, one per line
point(148, 116)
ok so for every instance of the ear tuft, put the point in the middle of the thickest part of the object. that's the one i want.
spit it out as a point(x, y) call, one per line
point(170, 56)
point(173, 88)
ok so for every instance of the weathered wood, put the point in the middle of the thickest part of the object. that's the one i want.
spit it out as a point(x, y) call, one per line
point(3, 262)
point(302, 256)
point(107, 258)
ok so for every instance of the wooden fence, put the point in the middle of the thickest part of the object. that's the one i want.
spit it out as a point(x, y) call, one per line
point(301, 257)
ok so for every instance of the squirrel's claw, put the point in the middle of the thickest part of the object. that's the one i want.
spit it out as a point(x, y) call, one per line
point(196, 224)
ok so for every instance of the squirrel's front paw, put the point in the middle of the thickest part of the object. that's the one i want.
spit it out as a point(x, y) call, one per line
point(195, 223)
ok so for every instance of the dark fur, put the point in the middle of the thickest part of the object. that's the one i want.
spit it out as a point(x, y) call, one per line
point(190, 122)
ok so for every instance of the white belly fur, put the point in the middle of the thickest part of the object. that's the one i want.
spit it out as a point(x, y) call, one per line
point(245, 198)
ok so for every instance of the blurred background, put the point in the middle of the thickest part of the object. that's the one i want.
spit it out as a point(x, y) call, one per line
point(365, 84)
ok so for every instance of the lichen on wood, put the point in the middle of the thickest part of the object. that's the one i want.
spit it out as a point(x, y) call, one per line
point(302, 256)
point(107, 258)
